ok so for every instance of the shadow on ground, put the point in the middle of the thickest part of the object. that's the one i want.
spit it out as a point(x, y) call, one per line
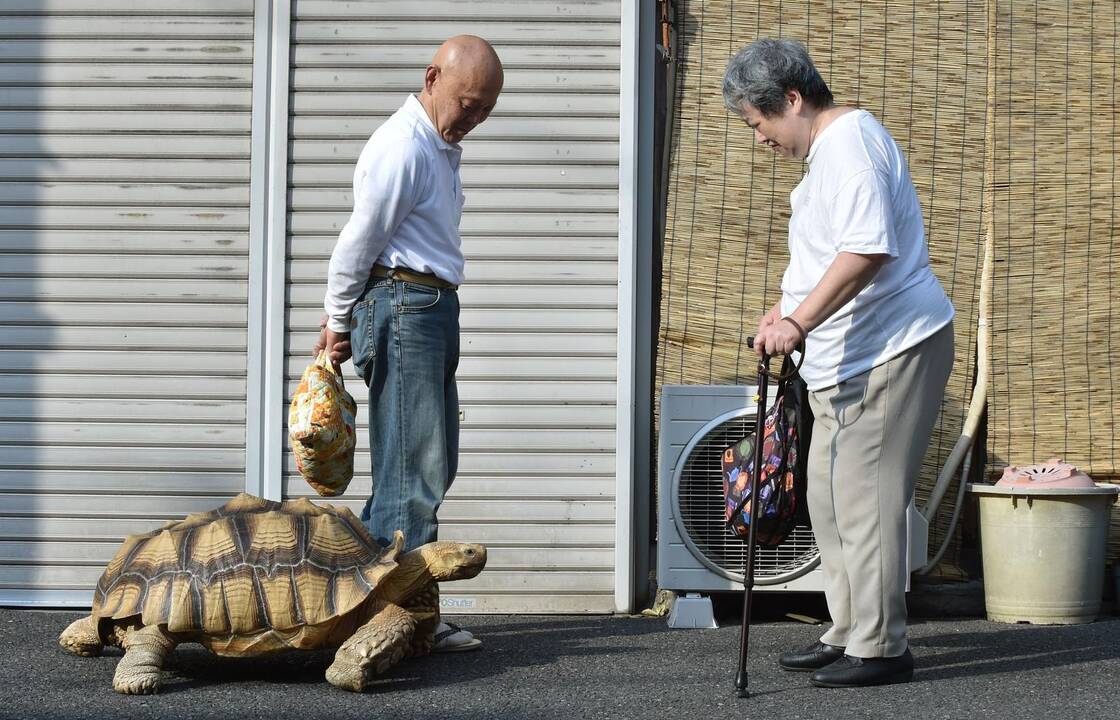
point(1015, 649)
point(519, 643)
point(589, 667)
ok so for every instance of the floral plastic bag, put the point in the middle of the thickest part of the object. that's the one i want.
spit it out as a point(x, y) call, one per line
point(321, 428)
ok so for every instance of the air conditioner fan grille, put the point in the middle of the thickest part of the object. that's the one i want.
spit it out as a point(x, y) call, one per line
point(700, 503)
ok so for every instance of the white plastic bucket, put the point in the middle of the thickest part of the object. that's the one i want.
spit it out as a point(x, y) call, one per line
point(1044, 552)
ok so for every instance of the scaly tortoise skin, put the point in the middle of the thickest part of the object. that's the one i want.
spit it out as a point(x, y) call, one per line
point(255, 577)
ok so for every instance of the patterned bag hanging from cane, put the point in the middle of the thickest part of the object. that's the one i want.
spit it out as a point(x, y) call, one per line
point(321, 428)
point(778, 500)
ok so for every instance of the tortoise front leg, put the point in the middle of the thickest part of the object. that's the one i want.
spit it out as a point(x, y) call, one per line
point(138, 672)
point(81, 637)
point(424, 606)
point(372, 649)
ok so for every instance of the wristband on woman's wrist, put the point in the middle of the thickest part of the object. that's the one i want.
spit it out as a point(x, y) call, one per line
point(797, 325)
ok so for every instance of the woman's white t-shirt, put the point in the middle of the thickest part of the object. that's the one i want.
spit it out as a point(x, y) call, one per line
point(857, 197)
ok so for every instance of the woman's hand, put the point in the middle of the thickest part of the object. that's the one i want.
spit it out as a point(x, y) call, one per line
point(774, 339)
point(770, 318)
point(777, 338)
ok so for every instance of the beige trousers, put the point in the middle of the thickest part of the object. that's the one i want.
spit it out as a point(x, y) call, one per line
point(870, 434)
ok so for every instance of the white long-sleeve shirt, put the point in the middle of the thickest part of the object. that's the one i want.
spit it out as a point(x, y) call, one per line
point(408, 199)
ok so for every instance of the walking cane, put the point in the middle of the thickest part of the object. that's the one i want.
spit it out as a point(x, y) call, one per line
point(748, 570)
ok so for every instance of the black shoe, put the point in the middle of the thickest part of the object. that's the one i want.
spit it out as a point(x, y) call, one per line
point(851, 671)
point(814, 657)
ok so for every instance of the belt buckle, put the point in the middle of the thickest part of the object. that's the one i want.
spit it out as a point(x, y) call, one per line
point(393, 274)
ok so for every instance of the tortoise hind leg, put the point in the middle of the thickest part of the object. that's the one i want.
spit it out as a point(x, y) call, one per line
point(372, 649)
point(81, 638)
point(138, 672)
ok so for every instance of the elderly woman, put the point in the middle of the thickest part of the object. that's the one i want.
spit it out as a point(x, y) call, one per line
point(878, 335)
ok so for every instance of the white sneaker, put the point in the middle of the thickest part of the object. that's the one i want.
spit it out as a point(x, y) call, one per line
point(452, 638)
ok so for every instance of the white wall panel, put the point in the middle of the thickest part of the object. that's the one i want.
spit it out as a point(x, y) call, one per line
point(525, 151)
point(540, 230)
point(54, 121)
point(177, 242)
point(135, 170)
point(116, 50)
point(180, 99)
point(124, 193)
point(501, 30)
point(126, 19)
point(545, 173)
point(126, 146)
point(534, 55)
point(132, 74)
point(180, 386)
point(386, 103)
point(122, 482)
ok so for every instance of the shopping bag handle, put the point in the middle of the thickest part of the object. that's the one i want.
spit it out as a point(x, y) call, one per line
point(323, 360)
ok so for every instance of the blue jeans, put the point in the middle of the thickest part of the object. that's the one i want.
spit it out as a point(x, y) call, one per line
point(405, 342)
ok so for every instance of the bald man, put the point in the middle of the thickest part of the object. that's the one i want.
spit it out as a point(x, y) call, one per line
point(391, 295)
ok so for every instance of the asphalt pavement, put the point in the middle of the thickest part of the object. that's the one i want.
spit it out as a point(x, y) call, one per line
point(588, 667)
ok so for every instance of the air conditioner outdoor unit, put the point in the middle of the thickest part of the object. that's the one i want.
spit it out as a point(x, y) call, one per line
point(695, 553)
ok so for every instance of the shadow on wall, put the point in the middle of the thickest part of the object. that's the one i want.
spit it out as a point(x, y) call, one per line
point(28, 173)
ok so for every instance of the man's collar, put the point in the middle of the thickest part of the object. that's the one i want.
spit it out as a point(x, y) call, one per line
point(416, 109)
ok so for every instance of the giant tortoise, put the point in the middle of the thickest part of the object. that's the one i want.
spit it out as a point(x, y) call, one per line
point(255, 577)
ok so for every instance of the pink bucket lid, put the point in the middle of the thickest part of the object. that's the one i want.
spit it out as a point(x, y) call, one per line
point(1051, 474)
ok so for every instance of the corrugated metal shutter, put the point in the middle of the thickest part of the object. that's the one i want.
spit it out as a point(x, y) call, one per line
point(124, 193)
point(540, 229)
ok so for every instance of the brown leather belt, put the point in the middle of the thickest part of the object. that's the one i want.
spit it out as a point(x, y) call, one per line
point(411, 276)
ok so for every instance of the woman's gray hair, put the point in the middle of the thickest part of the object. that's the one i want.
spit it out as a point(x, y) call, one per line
point(764, 71)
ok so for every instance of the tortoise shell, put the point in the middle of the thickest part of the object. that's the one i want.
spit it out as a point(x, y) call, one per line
point(247, 568)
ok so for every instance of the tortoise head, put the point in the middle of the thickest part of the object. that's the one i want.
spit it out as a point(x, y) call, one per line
point(435, 562)
point(453, 561)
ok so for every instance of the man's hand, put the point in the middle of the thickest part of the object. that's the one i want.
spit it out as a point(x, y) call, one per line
point(337, 343)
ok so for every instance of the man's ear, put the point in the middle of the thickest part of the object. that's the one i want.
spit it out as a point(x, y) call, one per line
point(795, 100)
point(430, 77)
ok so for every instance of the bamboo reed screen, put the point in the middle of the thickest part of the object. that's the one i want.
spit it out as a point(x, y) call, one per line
point(922, 69)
